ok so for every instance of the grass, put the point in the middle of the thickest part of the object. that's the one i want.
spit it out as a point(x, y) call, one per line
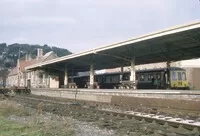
point(11, 128)
point(16, 120)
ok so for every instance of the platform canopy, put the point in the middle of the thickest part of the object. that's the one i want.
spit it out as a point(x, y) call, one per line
point(173, 44)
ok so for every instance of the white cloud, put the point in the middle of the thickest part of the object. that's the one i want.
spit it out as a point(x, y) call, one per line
point(81, 25)
point(22, 1)
point(19, 39)
point(41, 20)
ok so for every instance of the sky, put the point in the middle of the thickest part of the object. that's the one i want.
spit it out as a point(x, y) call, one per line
point(79, 25)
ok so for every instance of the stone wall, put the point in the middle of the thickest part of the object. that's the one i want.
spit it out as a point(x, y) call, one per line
point(185, 100)
point(156, 102)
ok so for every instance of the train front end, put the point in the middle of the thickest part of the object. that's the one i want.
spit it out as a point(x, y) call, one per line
point(179, 79)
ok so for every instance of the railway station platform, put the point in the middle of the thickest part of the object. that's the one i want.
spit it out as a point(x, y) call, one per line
point(164, 94)
point(178, 99)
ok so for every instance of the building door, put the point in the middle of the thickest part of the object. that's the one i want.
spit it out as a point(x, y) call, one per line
point(29, 83)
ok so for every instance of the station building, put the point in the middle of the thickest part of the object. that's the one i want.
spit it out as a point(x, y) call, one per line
point(18, 76)
point(144, 52)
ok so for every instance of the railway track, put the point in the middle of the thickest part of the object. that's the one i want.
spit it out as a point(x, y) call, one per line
point(124, 121)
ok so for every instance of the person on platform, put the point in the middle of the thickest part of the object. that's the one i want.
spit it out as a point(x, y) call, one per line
point(152, 81)
point(156, 83)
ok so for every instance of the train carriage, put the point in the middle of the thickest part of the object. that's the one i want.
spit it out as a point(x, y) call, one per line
point(161, 78)
point(172, 78)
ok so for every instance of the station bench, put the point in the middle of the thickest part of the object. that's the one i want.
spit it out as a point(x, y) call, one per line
point(95, 85)
point(69, 85)
point(4, 90)
point(17, 90)
point(20, 90)
point(127, 85)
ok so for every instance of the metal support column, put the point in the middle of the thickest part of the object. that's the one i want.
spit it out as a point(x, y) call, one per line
point(66, 77)
point(121, 75)
point(132, 76)
point(168, 75)
point(92, 75)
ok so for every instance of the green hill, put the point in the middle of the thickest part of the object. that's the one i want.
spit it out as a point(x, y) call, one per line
point(10, 53)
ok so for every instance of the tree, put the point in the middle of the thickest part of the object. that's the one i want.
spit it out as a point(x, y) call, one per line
point(10, 53)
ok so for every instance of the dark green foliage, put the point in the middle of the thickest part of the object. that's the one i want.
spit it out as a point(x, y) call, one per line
point(2, 47)
point(3, 75)
point(60, 52)
point(10, 53)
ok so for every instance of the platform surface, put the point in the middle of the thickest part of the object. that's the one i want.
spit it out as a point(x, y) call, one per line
point(138, 91)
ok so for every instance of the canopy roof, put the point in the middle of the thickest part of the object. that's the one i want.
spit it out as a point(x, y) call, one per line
point(173, 44)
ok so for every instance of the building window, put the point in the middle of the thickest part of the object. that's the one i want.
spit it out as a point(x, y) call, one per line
point(40, 75)
point(29, 75)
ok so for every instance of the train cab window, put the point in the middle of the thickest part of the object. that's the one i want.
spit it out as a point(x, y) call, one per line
point(174, 76)
point(183, 76)
point(179, 76)
point(141, 77)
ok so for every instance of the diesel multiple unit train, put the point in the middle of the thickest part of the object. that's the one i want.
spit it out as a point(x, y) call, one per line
point(161, 78)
